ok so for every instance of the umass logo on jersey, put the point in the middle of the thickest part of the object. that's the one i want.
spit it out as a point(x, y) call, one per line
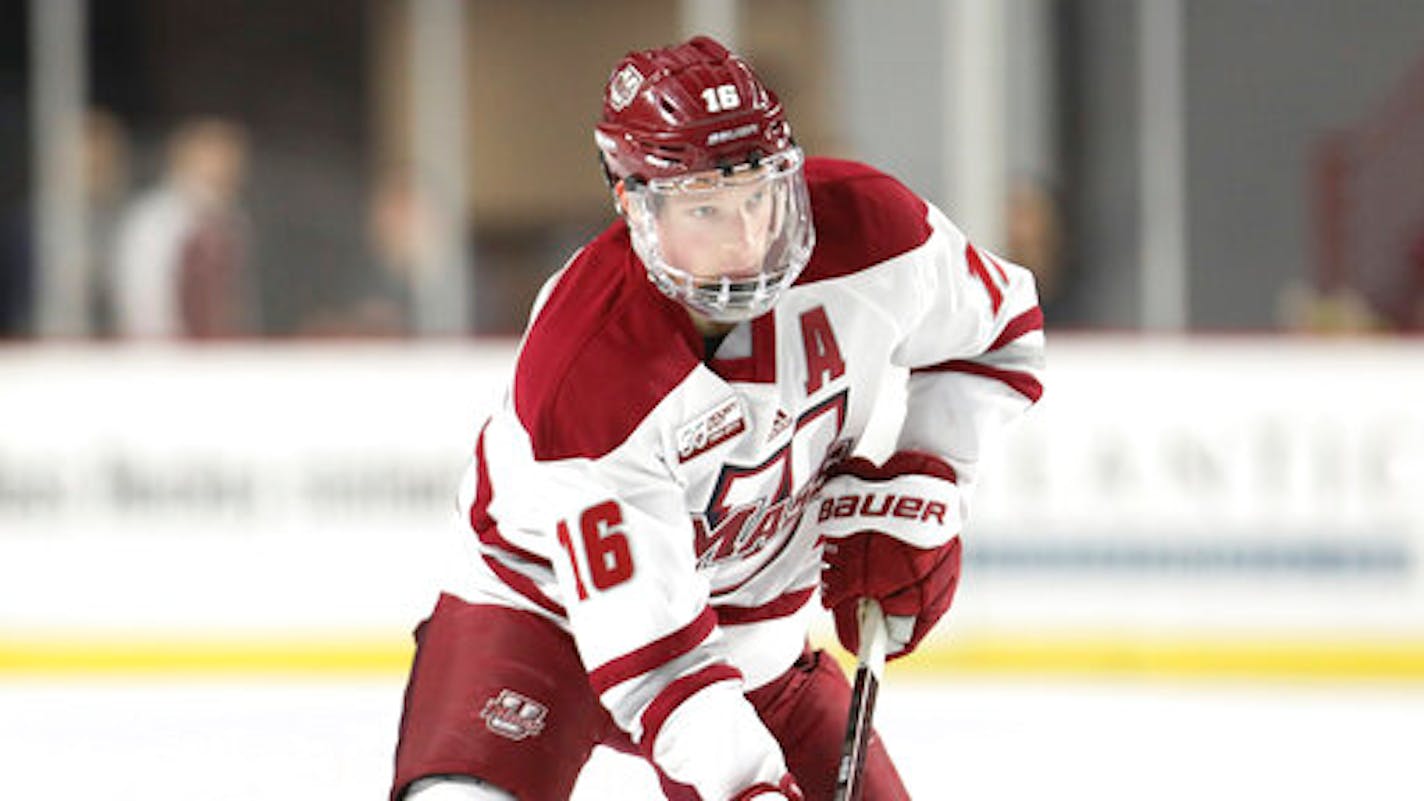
point(513, 715)
point(755, 507)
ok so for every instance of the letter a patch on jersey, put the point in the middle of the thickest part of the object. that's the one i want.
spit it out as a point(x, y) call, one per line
point(823, 356)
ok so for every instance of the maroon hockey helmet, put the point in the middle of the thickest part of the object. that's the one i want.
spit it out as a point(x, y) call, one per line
point(693, 106)
point(700, 157)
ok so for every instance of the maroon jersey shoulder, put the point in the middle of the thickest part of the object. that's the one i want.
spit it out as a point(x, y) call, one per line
point(862, 217)
point(605, 348)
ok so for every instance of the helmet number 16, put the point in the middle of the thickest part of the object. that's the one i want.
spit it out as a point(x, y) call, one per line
point(721, 98)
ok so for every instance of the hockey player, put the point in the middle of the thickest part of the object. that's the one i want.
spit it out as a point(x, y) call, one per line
point(670, 478)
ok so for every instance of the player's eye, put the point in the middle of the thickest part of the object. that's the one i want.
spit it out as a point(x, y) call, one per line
point(703, 212)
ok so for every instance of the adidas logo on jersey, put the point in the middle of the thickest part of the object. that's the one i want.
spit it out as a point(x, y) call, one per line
point(710, 430)
point(780, 423)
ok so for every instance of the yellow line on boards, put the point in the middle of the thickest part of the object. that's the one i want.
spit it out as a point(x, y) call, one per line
point(236, 655)
point(1258, 658)
point(378, 655)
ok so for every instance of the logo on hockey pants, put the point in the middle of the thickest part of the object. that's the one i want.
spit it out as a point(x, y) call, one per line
point(515, 716)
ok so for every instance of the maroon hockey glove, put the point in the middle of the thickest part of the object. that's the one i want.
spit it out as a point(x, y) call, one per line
point(914, 586)
point(784, 790)
point(890, 533)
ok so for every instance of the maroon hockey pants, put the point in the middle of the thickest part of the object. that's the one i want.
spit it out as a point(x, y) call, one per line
point(501, 695)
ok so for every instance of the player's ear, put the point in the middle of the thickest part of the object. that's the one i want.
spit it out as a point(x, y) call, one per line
point(620, 194)
point(626, 206)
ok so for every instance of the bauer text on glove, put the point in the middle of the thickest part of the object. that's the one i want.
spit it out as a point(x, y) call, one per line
point(890, 533)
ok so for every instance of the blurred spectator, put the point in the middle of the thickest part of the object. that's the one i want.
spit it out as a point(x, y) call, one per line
point(182, 270)
point(1413, 300)
point(379, 299)
point(1342, 310)
point(104, 171)
point(1033, 229)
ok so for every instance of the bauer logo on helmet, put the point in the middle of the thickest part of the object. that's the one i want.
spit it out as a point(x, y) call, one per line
point(741, 131)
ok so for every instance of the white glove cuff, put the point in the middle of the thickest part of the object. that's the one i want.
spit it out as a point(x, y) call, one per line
point(920, 510)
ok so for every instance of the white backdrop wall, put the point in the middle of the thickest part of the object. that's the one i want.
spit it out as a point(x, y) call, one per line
point(1223, 486)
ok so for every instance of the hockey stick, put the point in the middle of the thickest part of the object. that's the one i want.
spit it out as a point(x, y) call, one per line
point(871, 665)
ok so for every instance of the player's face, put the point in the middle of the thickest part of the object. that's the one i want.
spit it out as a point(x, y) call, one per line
point(725, 244)
point(719, 233)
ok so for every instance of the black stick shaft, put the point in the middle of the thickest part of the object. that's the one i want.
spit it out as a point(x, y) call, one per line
point(862, 702)
point(857, 736)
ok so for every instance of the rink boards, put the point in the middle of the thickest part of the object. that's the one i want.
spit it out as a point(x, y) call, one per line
point(1221, 506)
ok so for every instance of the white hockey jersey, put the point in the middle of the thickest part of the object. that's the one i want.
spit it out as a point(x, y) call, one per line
point(648, 497)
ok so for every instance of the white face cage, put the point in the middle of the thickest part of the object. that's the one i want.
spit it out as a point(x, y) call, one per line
point(683, 229)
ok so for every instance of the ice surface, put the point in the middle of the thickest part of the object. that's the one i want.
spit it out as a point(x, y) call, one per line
point(956, 739)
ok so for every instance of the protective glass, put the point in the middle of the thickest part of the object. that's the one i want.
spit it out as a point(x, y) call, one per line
point(725, 243)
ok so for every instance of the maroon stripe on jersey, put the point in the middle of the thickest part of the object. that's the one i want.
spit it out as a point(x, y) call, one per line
point(901, 463)
point(997, 267)
point(1031, 320)
point(784, 606)
point(479, 510)
point(1022, 383)
point(976, 266)
point(481, 521)
point(523, 585)
point(672, 696)
point(862, 216)
point(653, 655)
point(603, 326)
point(492, 538)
